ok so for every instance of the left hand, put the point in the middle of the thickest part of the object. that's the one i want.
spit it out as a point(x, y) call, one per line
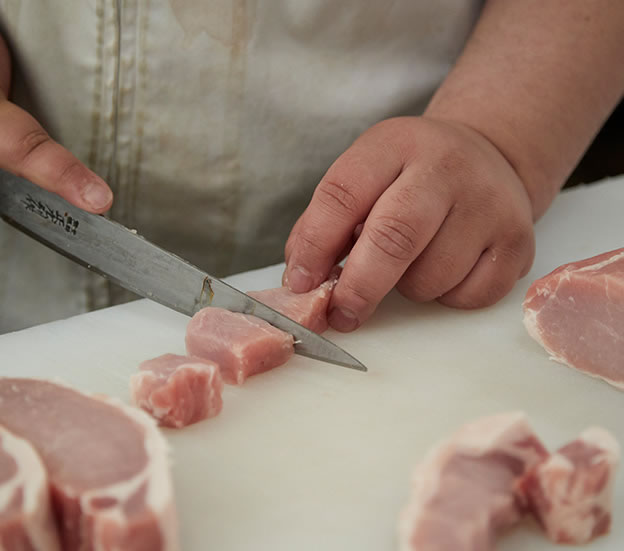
point(445, 217)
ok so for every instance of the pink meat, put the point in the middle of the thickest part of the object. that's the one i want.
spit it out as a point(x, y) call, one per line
point(463, 492)
point(308, 309)
point(177, 390)
point(107, 465)
point(571, 492)
point(240, 344)
point(577, 314)
point(26, 518)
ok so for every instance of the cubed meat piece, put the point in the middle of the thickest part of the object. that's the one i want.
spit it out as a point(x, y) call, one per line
point(107, 465)
point(177, 390)
point(462, 494)
point(26, 517)
point(308, 309)
point(571, 492)
point(577, 314)
point(240, 344)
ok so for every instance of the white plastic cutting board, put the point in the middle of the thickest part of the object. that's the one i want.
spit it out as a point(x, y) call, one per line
point(317, 457)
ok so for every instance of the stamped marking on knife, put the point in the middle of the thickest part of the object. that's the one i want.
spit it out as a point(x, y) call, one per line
point(65, 220)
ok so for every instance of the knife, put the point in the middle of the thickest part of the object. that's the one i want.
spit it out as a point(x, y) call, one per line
point(119, 254)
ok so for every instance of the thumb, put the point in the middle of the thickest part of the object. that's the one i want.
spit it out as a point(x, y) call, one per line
point(27, 150)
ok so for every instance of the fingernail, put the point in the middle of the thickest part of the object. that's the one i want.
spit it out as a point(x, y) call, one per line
point(96, 193)
point(343, 319)
point(299, 280)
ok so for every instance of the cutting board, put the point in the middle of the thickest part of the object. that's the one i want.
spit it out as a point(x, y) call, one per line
point(312, 456)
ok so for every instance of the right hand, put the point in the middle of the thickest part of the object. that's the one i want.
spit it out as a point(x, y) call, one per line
point(27, 150)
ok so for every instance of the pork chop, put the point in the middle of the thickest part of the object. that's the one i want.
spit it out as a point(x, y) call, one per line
point(177, 390)
point(571, 492)
point(577, 314)
point(26, 518)
point(240, 344)
point(308, 309)
point(107, 464)
point(462, 494)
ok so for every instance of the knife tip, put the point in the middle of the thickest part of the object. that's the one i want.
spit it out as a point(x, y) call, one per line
point(345, 359)
point(357, 365)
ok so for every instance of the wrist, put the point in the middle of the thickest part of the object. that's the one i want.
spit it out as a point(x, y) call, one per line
point(539, 178)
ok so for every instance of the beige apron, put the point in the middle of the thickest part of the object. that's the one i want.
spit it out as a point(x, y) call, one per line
point(212, 120)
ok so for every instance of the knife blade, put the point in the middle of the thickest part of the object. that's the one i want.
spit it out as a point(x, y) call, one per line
point(126, 258)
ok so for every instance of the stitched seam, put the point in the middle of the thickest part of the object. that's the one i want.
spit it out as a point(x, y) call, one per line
point(113, 172)
point(97, 85)
point(141, 87)
point(235, 84)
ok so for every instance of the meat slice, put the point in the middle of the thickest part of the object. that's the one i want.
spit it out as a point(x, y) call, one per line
point(308, 309)
point(177, 390)
point(462, 493)
point(107, 465)
point(26, 518)
point(571, 492)
point(241, 345)
point(577, 314)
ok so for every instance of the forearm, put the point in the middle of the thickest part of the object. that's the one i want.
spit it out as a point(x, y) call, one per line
point(538, 79)
point(5, 69)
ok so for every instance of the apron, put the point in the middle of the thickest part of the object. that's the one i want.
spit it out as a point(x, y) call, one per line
point(212, 120)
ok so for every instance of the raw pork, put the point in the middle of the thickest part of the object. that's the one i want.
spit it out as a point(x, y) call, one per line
point(107, 465)
point(308, 309)
point(577, 314)
point(241, 345)
point(26, 518)
point(463, 492)
point(571, 492)
point(178, 390)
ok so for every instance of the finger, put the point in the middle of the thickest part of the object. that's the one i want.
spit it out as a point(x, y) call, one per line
point(399, 227)
point(288, 249)
point(28, 151)
point(494, 274)
point(350, 244)
point(291, 240)
point(447, 259)
point(340, 202)
point(345, 251)
point(5, 69)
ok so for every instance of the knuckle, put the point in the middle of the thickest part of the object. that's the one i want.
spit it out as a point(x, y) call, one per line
point(71, 169)
point(486, 293)
point(394, 238)
point(516, 246)
point(413, 289)
point(338, 197)
point(519, 240)
point(29, 145)
point(355, 294)
point(428, 280)
point(495, 290)
point(308, 244)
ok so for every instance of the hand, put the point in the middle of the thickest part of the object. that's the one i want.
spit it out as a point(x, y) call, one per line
point(27, 150)
point(445, 217)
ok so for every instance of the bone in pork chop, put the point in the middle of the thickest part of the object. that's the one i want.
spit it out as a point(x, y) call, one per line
point(107, 466)
point(308, 309)
point(26, 518)
point(571, 492)
point(462, 494)
point(178, 390)
point(241, 345)
point(577, 314)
